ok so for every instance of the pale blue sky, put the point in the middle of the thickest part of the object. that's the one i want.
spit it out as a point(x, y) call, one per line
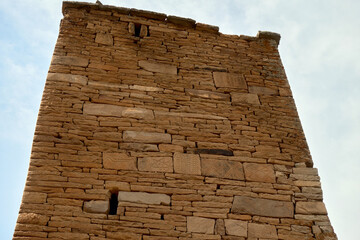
point(319, 48)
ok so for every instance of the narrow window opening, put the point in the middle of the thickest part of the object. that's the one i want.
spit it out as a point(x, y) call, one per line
point(137, 29)
point(162, 217)
point(113, 204)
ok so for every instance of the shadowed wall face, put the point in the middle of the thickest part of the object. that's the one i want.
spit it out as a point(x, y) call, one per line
point(158, 127)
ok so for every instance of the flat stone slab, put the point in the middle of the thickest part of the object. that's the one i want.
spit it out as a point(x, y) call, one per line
point(158, 67)
point(146, 137)
point(119, 161)
point(104, 38)
point(236, 227)
point(187, 163)
point(64, 77)
point(143, 197)
point(97, 206)
point(259, 172)
point(117, 111)
point(245, 98)
point(229, 80)
point(222, 168)
point(263, 231)
point(200, 225)
point(156, 164)
point(310, 208)
point(262, 207)
point(70, 60)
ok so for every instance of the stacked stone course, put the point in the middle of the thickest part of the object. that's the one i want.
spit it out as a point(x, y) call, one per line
point(195, 132)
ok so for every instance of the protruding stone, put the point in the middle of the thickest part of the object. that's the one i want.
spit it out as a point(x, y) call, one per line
point(245, 98)
point(310, 208)
point(187, 163)
point(32, 218)
point(34, 197)
point(186, 22)
point(104, 38)
point(146, 137)
point(158, 67)
point(236, 227)
point(207, 28)
point(263, 231)
point(262, 207)
point(70, 60)
point(229, 80)
point(71, 78)
point(222, 168)
point(200, 225)
point(143, 31)
point(143, 197)
point(156, 164)
point(259, 172)
point(119, 161)
point(269, 35)
point(97, 206)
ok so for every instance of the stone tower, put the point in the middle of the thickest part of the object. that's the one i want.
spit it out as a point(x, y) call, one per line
point(158, 127)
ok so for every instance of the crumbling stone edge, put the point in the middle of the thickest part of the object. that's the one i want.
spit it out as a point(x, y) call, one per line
point(184, 22)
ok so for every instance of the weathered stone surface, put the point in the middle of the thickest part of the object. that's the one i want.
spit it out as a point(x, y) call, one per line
point(186, 22)
point(236, 227)
point(117, 186)
point(310, 208)
point(146, 88)
point(34, 197)
point(119, 161)
point(156, 164)
point(220, 227)
point(244, 98)
point(143, 197)
point(70, 60)
point(262, 207)
point(207, 28)
point(200, 225)
point(71, 78)
point(117, 111)
point(269, 35)
point(32, 218)
point(139, 147)
point(146, 137)
point(187, 163)
point(263, 231)
point(97, 206)
point(229, 80)
point(263, 90)
point(108, 136)
point(222, 168)
point(104, 38)
point(143, 31)
point(158, 67)
point(123, 235)
point(160, 114)
point(306, 171)
point(259, 172)
point(207, 94)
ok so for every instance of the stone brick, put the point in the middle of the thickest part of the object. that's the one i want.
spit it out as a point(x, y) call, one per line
point(170, 148)
point(138, 113)
point(229, 80)
point(34, 197)
point(117, 111)
point(122, 235)
point(117, 186)
point(259, 172)
point(104, 38)
point(207, 94)
point(97, 206)
point(143, 197)
point(263, 90)
point(187, 163)
point(222, 168)
point(146, 137)
point(200, 225)
point(156, 164)
point(244, 98)
point(70, 60)
point(310, 208)
point(263, 231)
point(32, 218)
point(262, 207)
point(158, 67)
point(139, 147)
point(71, 78)
point(236, 227)
point(108, 136)
point(119, 161)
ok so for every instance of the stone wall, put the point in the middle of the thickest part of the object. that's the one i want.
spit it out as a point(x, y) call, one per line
point(158, 127)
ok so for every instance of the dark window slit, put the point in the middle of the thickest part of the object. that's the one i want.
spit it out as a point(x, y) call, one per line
point(113, 204)
point(215, 152)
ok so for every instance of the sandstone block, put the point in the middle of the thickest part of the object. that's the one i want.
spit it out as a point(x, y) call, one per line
point(306, 171)
point(138, 113)
point(70, 60)
point(200, 225)
point(71, 78)
point(119, 235)
point(263, 90)
point(262, 231)
point(222, 169)
point(117, 111)
point(229, 80)
point(32, 218)
point(207, 94)
point(139, 147)
point(259, 172)
point(97, 206)
point(118, 186)
point(310, 208)
point(262, 207)
point(187, 163)
point(245, 98)
point(171, 148)
point(156, 164)
point(104, 38)
point(236, 227)
point(34, 197)
point(108, 136)
point(119, 161)
point(143, 197)
point(158, 67)
point(146, 137)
